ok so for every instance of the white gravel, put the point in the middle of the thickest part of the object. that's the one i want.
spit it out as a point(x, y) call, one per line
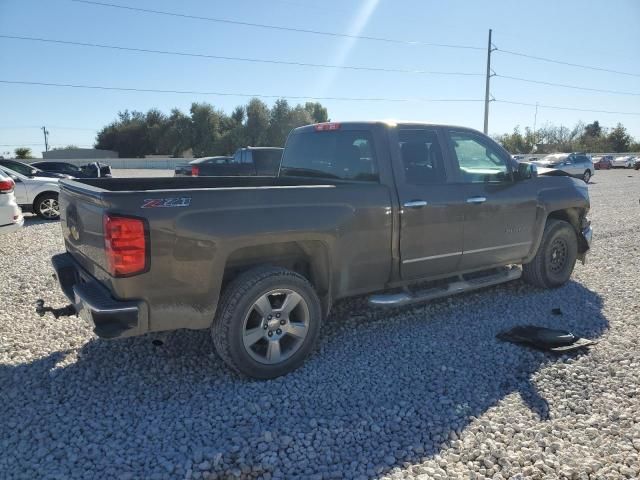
point(422, 393)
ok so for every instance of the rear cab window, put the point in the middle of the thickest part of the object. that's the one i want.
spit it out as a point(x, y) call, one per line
point(336, 154)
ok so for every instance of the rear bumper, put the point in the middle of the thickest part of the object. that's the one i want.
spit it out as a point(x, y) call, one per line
point(111, 318)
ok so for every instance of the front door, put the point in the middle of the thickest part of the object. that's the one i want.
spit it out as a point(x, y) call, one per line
point(432, 208)
point(500, 212)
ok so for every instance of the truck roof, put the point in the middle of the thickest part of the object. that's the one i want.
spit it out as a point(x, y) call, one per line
point(386, 123)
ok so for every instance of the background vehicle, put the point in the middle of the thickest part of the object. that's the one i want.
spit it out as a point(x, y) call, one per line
point(36, 194)
point(625, 161)
point(10, 214)
point(577, 164)
point(185, 170)
point(602, 163)
point(248, 161)
point(29, 171)
point(636, 163)
point(357, 208)
point(90, 170)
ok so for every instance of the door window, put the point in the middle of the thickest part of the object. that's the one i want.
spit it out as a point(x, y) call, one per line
point(478, 160)
point(421, 156)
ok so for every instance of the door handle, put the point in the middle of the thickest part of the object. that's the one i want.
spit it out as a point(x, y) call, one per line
point(476, 199)
point(415, 204)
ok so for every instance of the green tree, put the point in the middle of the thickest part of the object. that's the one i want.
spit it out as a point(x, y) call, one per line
point(317, 112)
point(619, 139)
point(23, 153)
point(257, 122)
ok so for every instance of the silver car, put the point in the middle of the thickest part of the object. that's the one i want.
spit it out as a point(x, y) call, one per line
point(577, 165)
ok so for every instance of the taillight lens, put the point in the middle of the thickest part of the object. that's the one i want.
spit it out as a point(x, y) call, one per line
point(326, 127)
point(7, 185)
point(195, 170)
point(125, 242)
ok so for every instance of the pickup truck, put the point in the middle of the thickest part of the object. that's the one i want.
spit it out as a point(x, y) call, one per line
point(401, 212)
point(248, 161)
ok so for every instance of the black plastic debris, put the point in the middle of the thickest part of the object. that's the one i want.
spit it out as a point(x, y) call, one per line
point(556, 311)
point(544, 338)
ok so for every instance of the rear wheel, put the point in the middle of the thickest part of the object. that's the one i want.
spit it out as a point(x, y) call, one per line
point(267, 322)
point(556, 256)
point(586, 176)
point(46, 206)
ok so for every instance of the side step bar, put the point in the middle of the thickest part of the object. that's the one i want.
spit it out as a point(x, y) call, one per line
point(505, 274)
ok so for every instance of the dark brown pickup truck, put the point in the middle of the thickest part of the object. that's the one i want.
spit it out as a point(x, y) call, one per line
point(400, 212)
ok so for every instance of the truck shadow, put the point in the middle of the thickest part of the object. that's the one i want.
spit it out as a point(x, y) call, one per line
point(385, 389)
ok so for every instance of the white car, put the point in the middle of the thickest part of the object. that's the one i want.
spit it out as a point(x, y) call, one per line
point(626, 161)
point(36, 194)
point(11, 218)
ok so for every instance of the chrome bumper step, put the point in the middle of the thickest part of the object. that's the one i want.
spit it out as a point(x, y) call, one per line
point(461, 285)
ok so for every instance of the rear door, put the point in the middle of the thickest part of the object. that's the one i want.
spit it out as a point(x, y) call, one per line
point(499, 211)
point(432, 206)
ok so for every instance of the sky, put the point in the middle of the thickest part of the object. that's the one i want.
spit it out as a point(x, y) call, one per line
point(595, 33)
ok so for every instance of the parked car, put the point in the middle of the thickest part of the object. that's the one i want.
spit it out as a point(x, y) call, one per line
point(186, 169)
point(28, 170)
point(11, 218)
point(36, 194)
point(636, 163)
point(357, 208)
point(577, 164)
point(602, 163)
point(248, 161)
point(625, 161)
point(90, 170)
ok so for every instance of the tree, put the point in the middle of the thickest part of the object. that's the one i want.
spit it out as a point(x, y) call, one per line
point(619, 139)
point(68, 147)
point(317, 112)
point(23, 153)
point(257, 122)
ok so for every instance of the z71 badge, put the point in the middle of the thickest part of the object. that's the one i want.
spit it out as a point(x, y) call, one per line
point(166, 202)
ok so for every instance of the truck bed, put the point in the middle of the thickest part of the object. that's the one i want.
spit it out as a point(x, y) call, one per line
point(186, 183)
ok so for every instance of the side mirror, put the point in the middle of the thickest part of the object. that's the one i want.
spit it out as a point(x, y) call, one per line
point(526, 171)
point(34, 172)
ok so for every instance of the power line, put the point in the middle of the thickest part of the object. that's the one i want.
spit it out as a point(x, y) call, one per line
point(18, 144)
point(556, 107)
point(278, 27)
point(564, 85)
point(25, 127)
point(230, 94)
point(239, 59)
point(560, 62)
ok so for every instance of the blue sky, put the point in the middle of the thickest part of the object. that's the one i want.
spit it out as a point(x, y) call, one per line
point(605, 34)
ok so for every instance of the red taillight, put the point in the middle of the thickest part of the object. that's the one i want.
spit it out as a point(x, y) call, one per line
point(6, 186)
point(195, 170)
point(326, 127)
point(125, 243)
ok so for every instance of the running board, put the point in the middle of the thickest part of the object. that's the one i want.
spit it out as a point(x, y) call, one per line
point(505, 274)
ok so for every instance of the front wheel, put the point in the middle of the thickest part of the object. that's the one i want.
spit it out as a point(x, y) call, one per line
point(46, 206)
point(586, 176)
point(556, 256)
point(267, 322)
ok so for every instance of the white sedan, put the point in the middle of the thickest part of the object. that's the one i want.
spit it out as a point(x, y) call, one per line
point(11, 218)
point(36, 194)
point(623, 162)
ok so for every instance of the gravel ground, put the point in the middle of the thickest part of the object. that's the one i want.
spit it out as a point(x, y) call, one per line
point(425, 392)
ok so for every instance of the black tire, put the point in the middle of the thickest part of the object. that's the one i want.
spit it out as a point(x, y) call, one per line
point(586, 176)
point(238, 305)
point(556, 256)
point(46, 206)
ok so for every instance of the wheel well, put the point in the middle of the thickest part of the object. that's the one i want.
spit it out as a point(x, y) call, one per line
point(574, 217)
point(40, 195)
point(309, 258)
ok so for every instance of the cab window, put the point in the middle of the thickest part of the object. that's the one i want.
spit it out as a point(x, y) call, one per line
point(421, 156)
point(478, 160)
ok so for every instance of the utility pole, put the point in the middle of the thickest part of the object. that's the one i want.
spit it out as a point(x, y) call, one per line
point(46, 138)
point(486, 91)
point(535, 119)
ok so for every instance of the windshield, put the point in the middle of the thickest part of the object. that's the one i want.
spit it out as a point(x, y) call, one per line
point(21, 168)
point(554, 158)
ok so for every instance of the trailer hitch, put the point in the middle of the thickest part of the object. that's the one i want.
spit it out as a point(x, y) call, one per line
point(67, 311)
